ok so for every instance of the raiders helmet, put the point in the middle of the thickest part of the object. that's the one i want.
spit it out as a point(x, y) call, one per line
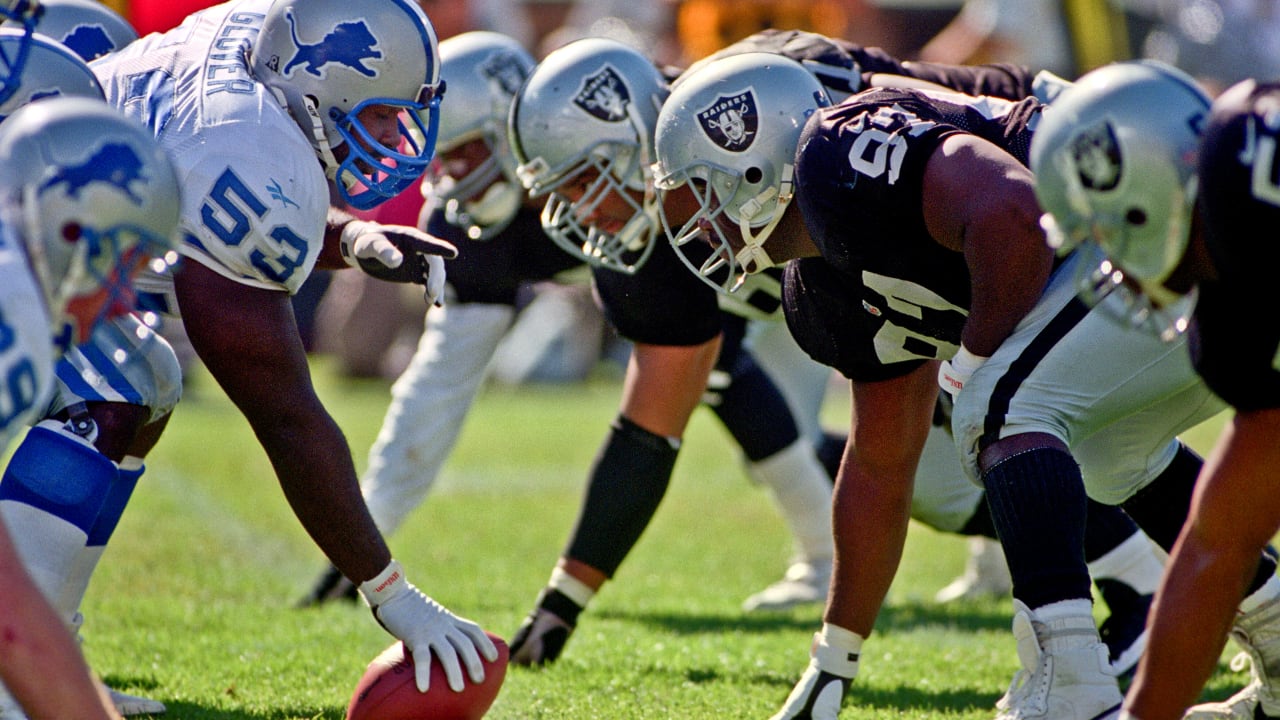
point(729, 133)
point(584, 120)
point(1114, 159)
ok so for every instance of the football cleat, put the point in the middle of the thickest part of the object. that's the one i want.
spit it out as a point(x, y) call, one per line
point(1063, 683)
point(540, 639)
point(1258, 635)
point(129, 705)
point(986, 575)
point(804, 583)
point(1125, 630)
point(330, 585)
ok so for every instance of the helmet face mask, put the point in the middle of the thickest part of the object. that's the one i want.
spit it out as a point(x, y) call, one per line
point(582, 130)
point(475, 182)
point(1118, 184)
point(13, 59)
point(90, 196)
point(335, 66)
point(729, 133)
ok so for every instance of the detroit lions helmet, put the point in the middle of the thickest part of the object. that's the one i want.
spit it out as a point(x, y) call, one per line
point(329, 61)
point(90, 196)
point(13, 60)
point(484, 70)
point(53, 70)
point(88, 27)
point(1114, 159)
point(584, 120)
point(729, 133)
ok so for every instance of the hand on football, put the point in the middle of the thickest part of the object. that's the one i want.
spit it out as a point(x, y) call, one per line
point(428, 630)
point(398, 253)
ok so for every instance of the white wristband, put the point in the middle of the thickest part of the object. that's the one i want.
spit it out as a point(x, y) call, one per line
point(954, 373)
point(346, 240)
point(385, 585)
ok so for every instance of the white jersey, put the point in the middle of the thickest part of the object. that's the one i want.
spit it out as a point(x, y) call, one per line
point(254, 196)
point(26, 349)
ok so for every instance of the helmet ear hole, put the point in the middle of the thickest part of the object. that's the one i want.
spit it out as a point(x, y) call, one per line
point(72, 232)
point(753, 175)
point(1136, 216)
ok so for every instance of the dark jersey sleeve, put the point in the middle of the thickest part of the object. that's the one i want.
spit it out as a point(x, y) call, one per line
point(662, 304)
point(1239, 169)
point(1002, 80)
point(492, 271)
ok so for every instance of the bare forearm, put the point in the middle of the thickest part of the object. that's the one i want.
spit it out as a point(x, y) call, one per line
point(1201, 584)
point(313, 463)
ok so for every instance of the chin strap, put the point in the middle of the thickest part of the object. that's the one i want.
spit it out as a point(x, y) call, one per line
point(753, 258)
point(317, 137)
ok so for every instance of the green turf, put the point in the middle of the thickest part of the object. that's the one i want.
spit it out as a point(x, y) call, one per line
point(192, 604)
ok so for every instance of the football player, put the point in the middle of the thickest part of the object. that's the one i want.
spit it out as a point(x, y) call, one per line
point(473, 199)
point(914, 259)
point(314, 82)
point(600, 206)
point(86, 197)
point(54, 70)
point(501, 245)
point(1174, 201)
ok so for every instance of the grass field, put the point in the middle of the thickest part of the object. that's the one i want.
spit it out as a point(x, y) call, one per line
point(193, 602)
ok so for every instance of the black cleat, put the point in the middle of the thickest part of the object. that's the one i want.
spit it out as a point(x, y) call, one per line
point(331, 585)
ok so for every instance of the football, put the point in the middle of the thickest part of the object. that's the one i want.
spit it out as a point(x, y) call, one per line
point(387, 691)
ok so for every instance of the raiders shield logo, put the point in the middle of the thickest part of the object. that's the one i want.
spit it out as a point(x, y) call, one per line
point(1097, 158)
point(504, 72)
point(731, 121)
point(604, 96)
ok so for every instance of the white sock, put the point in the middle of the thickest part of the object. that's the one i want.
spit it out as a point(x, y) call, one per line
point(1133, 562)
point(571, 587)
point(836, 650)
point(1270, 590)
point(803, 494)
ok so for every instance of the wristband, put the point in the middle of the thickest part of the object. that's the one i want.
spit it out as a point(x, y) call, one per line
point(954, 373)
point(385, 585)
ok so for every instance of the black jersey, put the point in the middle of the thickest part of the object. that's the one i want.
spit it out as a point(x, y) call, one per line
point(845, 68)
point(1239, 169)
point(885, 296)
point(492, 271)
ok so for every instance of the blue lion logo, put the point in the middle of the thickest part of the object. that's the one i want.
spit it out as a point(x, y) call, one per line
point(114, 163)
point(89, 41)
point(349, 44)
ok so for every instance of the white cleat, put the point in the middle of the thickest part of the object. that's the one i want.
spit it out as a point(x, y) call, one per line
point(129, 705)
point(805, 582)
point(1065, 671)
point(985, 575)
point(1258, 634)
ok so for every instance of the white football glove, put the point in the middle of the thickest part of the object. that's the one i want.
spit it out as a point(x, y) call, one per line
point(427, 629)
point(397, 253)
point(821, 689)
point(954, 373)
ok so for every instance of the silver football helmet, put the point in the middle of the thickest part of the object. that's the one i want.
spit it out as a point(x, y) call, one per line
point(13, 60)
point(1114, 159)
point(90, 196)
point(88, 27)
point(331, 60)
point(729, 133)
point(484, 71)
point(584, 122)
point(52, 70)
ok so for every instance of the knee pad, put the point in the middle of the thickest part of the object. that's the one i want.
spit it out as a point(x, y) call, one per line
point(60, 474)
